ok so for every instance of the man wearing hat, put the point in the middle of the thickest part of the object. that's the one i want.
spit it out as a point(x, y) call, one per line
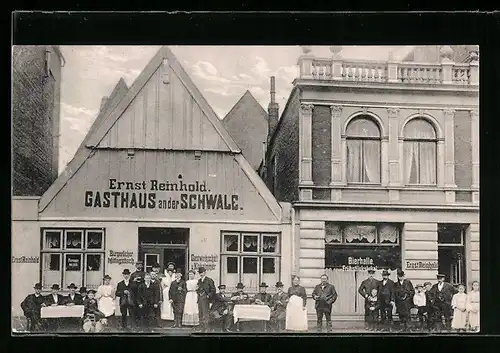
point(93, 318)
point(278, 308)
point(263, 298)
point(32, 306)
point(125, 291)
point(177, 297)
point(324, 295)
point(386, 299)
point(429, 302)
point(365, 290)
point(156, 281)
point(73, 298)
point(54, 299)
point(206, 292)
point(137, 277)
point(403, 294)
point(221, 309)
point(442, 294)
point(148, 301)
point(83, 293)
point(240, 298)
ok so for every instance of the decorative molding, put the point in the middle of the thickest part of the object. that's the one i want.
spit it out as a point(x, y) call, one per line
point(306, 108)
point(336, 110)
point(393, 112)
point(474, 113)
point(449, 112)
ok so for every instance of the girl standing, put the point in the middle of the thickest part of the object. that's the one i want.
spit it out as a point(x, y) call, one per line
point(166, 307)
point(473, 306)
point(190, 316)
point(296, 312)
point(106, 298)
point(459, 306)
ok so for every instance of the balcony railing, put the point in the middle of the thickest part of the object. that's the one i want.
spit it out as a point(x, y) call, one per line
point(325, 69)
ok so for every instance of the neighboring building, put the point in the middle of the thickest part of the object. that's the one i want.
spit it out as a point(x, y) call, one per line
point(36, 92)
point(159, 179)
point(431, 53)
point(247, 123)
point(381, 164)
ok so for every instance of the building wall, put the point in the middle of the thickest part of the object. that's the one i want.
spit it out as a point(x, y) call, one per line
point(35, 118)
point(321, 150)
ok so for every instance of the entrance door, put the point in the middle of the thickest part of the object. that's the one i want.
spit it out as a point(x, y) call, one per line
point(451, 252)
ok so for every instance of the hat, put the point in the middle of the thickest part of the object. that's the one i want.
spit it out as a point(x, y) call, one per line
point(279, 285)
point(240, 286)
point(263, 285)
point(222, 286)
point(107, 277)
point(139, 263)
point(427, 284)
point(440, 275)
point(171, 263)
point(419, 286)
point(38, 286)
point(72, 285)
point(91, 291)
point(83, 289)
point(126, 271)
point(55, 286)
point(371, 271)
point(156, 265)
point(385, 273)
point(202, 270)
point(401, 273)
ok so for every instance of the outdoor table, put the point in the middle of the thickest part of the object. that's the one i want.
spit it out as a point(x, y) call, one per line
point(60, 311)
point(251, 312)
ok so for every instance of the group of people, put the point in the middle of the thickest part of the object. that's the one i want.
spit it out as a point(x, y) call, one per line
point(438, 306)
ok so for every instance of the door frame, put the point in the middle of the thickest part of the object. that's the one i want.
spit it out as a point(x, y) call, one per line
point(158, 249)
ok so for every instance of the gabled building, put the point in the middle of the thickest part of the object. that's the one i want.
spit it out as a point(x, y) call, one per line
point(380, 161)
point(159, 179)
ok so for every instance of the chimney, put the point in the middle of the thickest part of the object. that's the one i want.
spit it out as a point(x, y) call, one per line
point(273, 112)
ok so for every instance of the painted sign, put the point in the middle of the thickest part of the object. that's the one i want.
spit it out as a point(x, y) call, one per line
point(121, 257)
point(208, 261)
point(362, 258)
point(421, 265)
point(73, 262)
point(25, 259)
point(154, 194)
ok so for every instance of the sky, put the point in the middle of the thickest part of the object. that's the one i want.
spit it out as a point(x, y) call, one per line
point(221, 73)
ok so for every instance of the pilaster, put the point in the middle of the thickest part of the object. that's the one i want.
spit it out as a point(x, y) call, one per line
point(305, 167)
point(393, 153)
point(449, 141)
point(336, 112)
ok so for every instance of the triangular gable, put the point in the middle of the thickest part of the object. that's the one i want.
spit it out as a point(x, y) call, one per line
point(246, 99)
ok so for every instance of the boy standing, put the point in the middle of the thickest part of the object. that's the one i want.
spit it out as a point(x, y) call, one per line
point(419, 300)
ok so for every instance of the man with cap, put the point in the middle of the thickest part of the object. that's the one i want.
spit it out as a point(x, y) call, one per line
point(278, 308)
point(365, 290)
point(32, 306)
point(403, 294)
point(324, 295)
point(125, 291)
point(54, 299)
point(137, 277)
point(83, 293)
point(148, 301)
point(221, 309)
point(442, 294)
point(386, 300)
point(206, 291)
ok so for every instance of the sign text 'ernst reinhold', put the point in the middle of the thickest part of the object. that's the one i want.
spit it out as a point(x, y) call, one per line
point(148, 194)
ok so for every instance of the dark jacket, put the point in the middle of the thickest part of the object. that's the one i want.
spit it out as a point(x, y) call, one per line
point(264, 297)
point(366, 287)
point(279, 301)
point(77, 299)
point(177, 291)
point(206, 289)
point(32, 305)
point(372, 304)
point(327, 295)
point(126, 299)
point(148, 295)
point(220, 303)
point(49, 300)
point(91, 309)
point(404, 292)
point(138, 277)
point(445, 295)
point(386, 293)
point(298, 291)
point(246, 299)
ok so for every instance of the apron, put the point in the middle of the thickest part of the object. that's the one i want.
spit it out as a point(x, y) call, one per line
point(106, 303)
point(190, 316)
point(166, 307)
point(296, 316)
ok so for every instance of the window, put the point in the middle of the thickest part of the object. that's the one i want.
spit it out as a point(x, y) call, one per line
point(250, 258)
point(362, 234)
point(72, 256)
point(451, 252)
point(363, 151)
point(419, 153)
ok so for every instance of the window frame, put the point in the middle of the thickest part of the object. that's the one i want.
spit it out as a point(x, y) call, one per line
point(343, 225)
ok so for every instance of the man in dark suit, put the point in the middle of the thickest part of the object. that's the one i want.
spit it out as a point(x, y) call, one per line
point(54, 299)
point(324, 295)
point(137, 277)
point(429, 305)
point(240, 298)
point(221, 310)
point(386, 300)
point(263, 298)
point(71, 299)
point(148, 299)
point(32, 306)
point(206, 292)
point(125, 291)
point(365, 290)
point(177, 296)
point(442, 293)
point(278, 308)
point(403, 294)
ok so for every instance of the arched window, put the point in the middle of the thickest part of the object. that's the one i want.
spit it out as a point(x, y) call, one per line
point(419, 153)
point(363, 151)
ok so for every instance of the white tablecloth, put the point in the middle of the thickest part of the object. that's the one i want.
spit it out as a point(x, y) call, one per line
point(251, 312)
point(61, 311)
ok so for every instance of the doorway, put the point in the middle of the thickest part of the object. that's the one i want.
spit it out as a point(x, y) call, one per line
point(164, 245)
point(451, 252)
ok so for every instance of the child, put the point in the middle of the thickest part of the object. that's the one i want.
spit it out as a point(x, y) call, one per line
point(419, 299)
point(459, 306)
point(372, 307)
point(94, 320)
point(473, 306)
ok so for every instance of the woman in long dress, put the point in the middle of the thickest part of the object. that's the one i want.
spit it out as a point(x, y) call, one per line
point(167, 313)
point(106, 298)
point(459, 306)
point(296, 312)
point(190, 316)
point(473, 306)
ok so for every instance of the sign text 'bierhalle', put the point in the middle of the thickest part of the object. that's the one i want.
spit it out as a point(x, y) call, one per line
point(154, 194)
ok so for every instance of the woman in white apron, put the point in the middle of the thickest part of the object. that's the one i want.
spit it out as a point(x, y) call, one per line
point(167, 312)
point(473, 306)
point(190, 316)
point(106, 298)
point(296, 312)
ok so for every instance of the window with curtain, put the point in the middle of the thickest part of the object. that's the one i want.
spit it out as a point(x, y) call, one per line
point(363, 151)
point(420, 145)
